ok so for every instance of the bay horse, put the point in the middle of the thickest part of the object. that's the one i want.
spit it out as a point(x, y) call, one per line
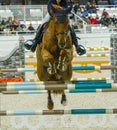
point(55, 54)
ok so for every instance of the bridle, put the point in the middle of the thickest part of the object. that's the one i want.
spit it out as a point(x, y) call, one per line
point(60, 33)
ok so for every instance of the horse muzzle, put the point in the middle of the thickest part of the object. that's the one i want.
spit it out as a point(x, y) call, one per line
point(61, 45)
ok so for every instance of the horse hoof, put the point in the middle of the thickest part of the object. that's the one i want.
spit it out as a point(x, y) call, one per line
point(50, 105)
point(64, 103)
point(62, 68)
point(63, 100)
point(51, 71)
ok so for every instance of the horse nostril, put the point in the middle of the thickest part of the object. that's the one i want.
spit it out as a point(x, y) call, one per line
point(61, 45)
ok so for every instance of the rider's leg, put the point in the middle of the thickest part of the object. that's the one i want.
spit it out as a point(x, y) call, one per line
point(31, 44)
point(79, 48)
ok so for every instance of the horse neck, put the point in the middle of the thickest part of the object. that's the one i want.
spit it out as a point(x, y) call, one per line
point(51, 27)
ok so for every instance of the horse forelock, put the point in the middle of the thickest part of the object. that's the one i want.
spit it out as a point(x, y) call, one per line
point(61, 18)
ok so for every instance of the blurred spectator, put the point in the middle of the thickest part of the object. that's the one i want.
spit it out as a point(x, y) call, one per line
point(97, 18)
point(93, 20)
point(30, 27)
point(87, 20)
point(78, 14)
point(87, 6)
point(84, 13)
point(105, 13)
point(101, 21)
point(4, 21)
point(1, 29)
point(24, 27)
point(106, 20)
point(76, 7)
point(15, 22)
point(114, 20)
point(69, 2)
point(9, 22)
point(92, 9)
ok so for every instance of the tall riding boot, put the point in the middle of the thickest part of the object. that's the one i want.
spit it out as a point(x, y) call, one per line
point(31, 44)
point(79, 48)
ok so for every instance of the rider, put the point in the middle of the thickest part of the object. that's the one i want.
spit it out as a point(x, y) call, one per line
point(31, 44)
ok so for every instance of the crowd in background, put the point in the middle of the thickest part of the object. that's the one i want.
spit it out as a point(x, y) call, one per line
point(13, 24)
point(88, 12)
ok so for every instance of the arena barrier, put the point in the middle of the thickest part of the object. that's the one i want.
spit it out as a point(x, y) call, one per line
point(59, 112)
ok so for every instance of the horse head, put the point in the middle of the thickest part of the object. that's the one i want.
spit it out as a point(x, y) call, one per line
point(61, 24)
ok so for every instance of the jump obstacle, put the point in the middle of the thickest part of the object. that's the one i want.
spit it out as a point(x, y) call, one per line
point(59, 112)
point(86, 55)
point(72, 88)
point(29, 69)
point(98, 63)
point(66, 91)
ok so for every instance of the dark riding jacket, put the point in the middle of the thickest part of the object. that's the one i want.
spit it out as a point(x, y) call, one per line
point(63, 4)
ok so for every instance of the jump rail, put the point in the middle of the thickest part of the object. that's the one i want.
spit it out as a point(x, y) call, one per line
point(73, 79)
point(86, 55)
point(66, 91)
point(58, 86)
point(28, 69)
point(83, 81)
point(58, 112)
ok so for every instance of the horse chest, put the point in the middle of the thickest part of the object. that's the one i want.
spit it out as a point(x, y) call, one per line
point(54, 51)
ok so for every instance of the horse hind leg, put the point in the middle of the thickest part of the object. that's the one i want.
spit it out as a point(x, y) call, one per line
point(50, 104)
point(63, 99)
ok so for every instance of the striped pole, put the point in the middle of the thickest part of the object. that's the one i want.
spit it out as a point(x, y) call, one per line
point(98, 49)
point(86, 55)
point(75, 79)
point(76, 62)
point(28, 69)
point(59, 112)
point(66, 91)
point(56, 82)
point(107, 67)
point(58, 86)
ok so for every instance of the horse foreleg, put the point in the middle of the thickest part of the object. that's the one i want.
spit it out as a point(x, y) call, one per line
point(51, 68)
point(50, 104)
point(63, 99)
point(49, 61)
point(62, 65)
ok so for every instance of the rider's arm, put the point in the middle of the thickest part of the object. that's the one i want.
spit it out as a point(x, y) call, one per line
point(49, 4)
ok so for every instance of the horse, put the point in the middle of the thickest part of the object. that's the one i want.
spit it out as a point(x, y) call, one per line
point(55, 54)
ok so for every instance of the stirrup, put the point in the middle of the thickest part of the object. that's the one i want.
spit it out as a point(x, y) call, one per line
point(28, 44)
